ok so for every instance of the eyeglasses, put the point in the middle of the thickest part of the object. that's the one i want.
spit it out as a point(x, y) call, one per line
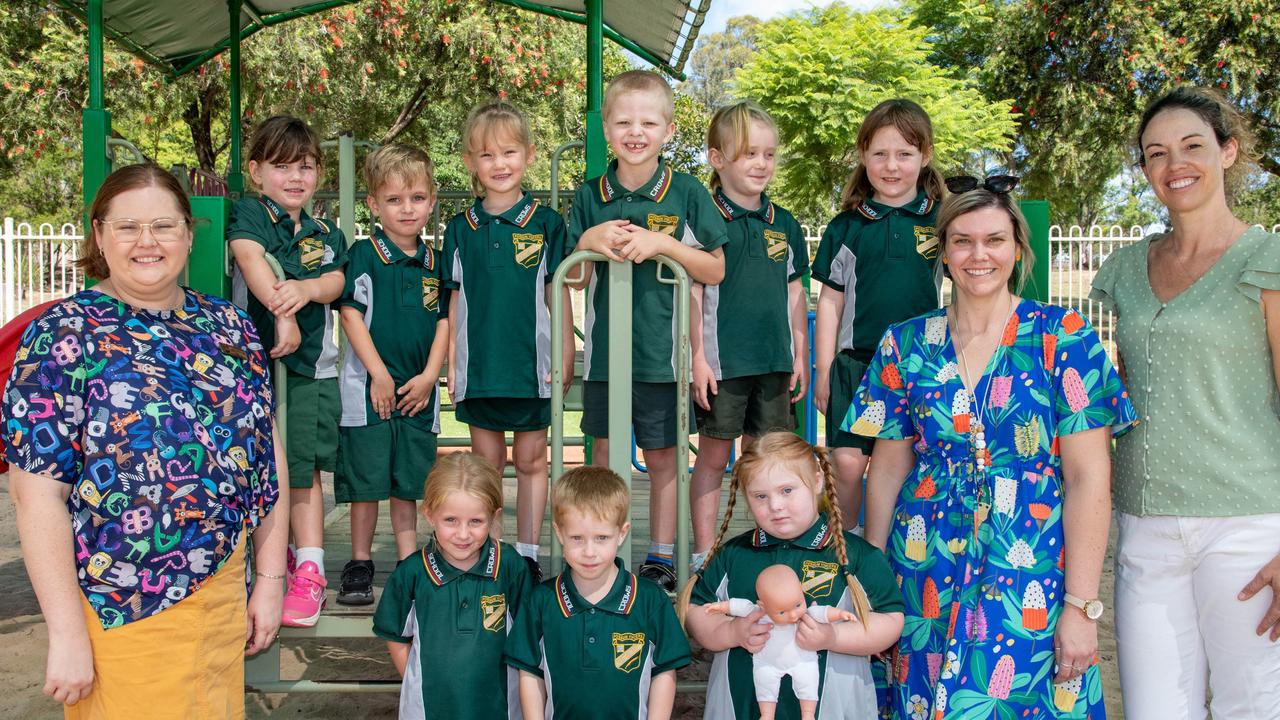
point(128, 230)
point(999, 184)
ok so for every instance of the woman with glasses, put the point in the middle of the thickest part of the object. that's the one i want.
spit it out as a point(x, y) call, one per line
point(138, 424)
point(1197, 323)
point(990, 481)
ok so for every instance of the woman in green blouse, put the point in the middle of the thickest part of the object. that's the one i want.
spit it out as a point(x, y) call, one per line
point(1197, 484)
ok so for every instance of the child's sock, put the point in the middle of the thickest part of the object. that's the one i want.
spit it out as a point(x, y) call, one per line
point(529, 550)
point(314, 554)
point(661, 553)
point(696, 561)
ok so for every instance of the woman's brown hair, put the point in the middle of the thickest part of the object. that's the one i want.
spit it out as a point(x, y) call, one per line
point(1220, 115)
point(913, 122)
point(130, 177)
point(806, 462)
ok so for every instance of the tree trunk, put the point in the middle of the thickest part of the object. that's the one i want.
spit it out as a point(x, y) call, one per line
point(199, 119)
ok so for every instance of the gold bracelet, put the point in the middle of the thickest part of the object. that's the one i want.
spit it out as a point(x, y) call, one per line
point(269, 576)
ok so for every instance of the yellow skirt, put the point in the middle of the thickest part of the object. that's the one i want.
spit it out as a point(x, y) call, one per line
point(185, 661)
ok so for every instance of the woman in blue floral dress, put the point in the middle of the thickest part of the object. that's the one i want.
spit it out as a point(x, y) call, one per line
point(990, 486)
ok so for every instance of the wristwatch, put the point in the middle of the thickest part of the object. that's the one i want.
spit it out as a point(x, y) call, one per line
point(1092, 609)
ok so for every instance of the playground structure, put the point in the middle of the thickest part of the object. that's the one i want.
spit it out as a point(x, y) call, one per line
point(176, 37)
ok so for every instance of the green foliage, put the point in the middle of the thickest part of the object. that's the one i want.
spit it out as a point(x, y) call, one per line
point(717, 58)
point(393, 70)
point(1080, 73)
point(819, 73)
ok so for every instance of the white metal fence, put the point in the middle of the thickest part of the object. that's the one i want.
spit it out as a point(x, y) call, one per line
point(38, 264)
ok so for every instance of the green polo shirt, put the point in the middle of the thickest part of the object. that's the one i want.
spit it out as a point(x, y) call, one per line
point(746, 319)
point(400, 299)
point(318, 249)
point(457, 622)
point(672, 203)
point(598, 660)
point(732, 573)
point(882, 258)
point(499, 265)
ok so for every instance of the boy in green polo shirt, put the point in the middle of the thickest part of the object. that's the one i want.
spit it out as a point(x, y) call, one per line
point(397, 336)
point(294, 319)
point(596, 641)
point(638, 209)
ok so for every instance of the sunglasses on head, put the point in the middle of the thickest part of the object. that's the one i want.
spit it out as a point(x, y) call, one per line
point(1000, 184)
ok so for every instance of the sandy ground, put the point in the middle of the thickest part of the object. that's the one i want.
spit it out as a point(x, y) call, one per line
point(23, 640)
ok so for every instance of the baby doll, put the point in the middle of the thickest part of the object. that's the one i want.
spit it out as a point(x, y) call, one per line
point(782, 599)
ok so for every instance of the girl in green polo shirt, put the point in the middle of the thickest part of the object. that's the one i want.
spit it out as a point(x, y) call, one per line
point(876, 265)
point(789, 488)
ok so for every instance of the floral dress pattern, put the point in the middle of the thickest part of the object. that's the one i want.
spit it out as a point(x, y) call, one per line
point(979, 553)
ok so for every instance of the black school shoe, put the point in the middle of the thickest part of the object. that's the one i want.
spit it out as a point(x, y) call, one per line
point(356, 587)
point(535, 570)
point(661, 573)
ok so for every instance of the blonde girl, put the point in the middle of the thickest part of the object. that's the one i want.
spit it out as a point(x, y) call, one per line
point(446, 610)
point(876, 264)
point(751, 332)
point(789, 489)
point(499, 256)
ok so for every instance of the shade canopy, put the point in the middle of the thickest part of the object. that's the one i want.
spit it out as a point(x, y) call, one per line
point(180, 36)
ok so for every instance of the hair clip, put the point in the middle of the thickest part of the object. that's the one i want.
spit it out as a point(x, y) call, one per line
point(999, 184)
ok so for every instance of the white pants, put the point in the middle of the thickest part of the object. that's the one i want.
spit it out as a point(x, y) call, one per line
point(1180, 626)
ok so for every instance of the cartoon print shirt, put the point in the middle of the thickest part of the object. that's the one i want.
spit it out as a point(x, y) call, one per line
point(161, 423)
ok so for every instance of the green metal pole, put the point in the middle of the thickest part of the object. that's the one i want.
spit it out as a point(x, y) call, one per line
point(347, 186)
point(596, 154)
point(235, 176)
point(96, 121)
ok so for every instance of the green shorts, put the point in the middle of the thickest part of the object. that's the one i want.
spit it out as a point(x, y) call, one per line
point(751, 405)
point(846, 375)
point(311, 420)
point(389, 459)
point(503, 414)
point(653, 413)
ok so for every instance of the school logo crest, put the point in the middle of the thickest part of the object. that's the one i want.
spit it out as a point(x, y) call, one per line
point(311, 252)
point(628, 648)
point(494, 610)
point(926, 242)
point(665, 224)
point(775, 244)
point(431, 293)
point(528, 247)
point(816, 577)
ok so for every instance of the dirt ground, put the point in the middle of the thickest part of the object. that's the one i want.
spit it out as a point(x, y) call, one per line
point(23, 640)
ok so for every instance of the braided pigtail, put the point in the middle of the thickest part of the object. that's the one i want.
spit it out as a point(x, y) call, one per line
point(682, 602)
point(858, 594)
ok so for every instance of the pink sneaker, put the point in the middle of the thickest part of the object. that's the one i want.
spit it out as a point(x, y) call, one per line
point(305, 599)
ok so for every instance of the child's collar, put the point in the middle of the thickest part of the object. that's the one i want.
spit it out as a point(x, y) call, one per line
point(519, 214)
point(620, 600)
point(818, 536)
point(278, 214)
point(655, 190)
point(732, 210)
point(441, 571)
point(388, 252)
point(920, 205)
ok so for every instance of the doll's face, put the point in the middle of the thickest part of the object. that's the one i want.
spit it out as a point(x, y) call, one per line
point(780, 594)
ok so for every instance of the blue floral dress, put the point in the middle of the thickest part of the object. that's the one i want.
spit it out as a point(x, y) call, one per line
point(979, 552)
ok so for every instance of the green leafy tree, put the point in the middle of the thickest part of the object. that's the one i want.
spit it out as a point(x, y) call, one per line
point(1081, 71)
point(819, 73)
point(717, 58)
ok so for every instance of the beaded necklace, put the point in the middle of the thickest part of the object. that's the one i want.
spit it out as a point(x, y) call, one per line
point(977, 429)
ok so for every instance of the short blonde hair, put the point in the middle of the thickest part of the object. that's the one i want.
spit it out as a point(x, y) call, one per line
point(645, 81)
point(463, 472)
point(402, 162)
point(496, 118)
point(594, 491)
point(730, 131)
